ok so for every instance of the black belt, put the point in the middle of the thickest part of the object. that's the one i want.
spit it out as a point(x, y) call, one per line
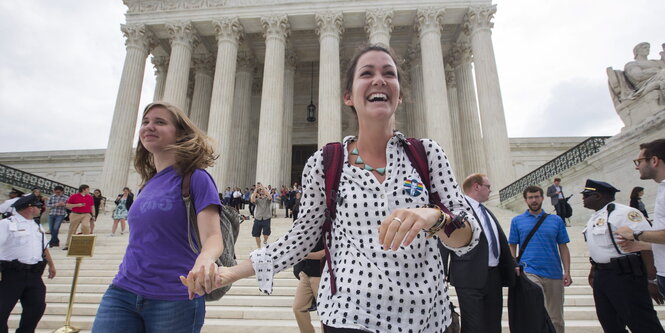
point(610, 266)
point(16, 265)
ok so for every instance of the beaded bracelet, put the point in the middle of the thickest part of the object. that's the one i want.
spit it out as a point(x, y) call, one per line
point(439, 224)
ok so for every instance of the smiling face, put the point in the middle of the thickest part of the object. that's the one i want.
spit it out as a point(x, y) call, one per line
point(375, 93)
point(158, 130)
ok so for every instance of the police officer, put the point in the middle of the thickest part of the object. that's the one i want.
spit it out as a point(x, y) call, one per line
point(618, 279)
point(23, 257)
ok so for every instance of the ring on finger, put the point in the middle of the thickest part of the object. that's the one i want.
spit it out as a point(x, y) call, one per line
point(398, 220)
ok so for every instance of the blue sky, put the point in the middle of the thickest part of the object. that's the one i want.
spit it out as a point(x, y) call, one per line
point(60, 66)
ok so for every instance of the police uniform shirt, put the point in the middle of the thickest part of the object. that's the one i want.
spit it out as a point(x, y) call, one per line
point(597, 232)
point(21, 239)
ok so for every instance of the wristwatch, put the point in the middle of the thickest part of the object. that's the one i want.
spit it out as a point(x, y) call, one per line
point(637, 234)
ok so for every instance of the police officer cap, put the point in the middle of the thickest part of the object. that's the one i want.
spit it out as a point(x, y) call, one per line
point(27, 201)
point(16, 191)
point(600, 187)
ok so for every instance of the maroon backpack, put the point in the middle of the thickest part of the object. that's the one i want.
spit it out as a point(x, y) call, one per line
point(333, 162)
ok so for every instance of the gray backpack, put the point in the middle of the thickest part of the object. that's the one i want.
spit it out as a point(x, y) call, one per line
point(229, 221)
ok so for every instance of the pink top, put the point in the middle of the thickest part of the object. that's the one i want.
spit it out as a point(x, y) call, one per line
point(79, 198)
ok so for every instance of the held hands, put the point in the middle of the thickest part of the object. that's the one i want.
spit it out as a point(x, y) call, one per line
point(205, 281)
point(199, 276)
point(402, 226)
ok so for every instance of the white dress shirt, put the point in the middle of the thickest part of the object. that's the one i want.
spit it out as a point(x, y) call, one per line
point(659, 224)
point(475, 205)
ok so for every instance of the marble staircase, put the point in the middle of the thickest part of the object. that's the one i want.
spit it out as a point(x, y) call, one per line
point(245, 309)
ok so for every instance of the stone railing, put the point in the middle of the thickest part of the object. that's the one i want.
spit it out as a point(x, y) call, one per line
point(18, 178)
point(568, 159)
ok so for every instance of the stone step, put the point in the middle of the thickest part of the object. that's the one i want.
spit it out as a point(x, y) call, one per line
point(282, 287)
point(51, 322)
point(214, 311)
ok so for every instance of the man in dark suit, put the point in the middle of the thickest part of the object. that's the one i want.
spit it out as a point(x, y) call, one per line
point(555, 192)
point(479, 275)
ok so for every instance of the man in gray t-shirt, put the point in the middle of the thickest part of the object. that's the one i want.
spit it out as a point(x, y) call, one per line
point(262, 214)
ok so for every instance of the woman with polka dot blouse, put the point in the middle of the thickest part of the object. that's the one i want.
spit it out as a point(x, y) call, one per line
point(388, 273)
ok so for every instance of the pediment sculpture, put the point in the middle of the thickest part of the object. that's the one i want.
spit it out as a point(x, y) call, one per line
point(639, 77)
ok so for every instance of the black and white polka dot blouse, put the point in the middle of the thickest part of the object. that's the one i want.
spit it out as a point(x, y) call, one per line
point(377, 290)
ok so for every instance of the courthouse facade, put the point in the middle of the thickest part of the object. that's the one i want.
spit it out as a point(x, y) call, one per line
point(246, 70)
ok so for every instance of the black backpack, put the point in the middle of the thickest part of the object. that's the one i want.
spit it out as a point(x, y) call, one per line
point(229, 221)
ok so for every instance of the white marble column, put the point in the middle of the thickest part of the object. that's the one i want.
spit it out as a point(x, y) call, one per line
point(379, 26)
point(329, 27)
point(139, 41)
point(276, 29)
point(453, 105)
point(229, 32)
point(190, 93)
point(289, 82)
point(184, 39)
point(253, 137)
point(472, 141)
point(416, 116)
point(161, 64)
point(437, 122)
point(242, 107)
point(495, 134)
point(203, 72)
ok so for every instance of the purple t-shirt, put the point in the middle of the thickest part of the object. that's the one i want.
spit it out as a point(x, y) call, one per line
point(158, 251)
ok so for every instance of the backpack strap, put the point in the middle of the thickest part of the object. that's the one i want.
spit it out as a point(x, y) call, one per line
point(417, 155)
point(333, 161)
point(530, 235)
point(193, 238)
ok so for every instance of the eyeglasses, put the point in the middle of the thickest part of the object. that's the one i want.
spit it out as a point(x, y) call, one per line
point(639, 160)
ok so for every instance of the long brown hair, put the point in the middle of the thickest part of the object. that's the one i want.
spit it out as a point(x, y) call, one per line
point(193, 149)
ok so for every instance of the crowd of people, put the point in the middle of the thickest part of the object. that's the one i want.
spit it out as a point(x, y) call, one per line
point(382, 214)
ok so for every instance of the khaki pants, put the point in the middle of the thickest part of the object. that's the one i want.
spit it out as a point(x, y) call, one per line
point(74, 220)
point(307, 289)
point(553, 292)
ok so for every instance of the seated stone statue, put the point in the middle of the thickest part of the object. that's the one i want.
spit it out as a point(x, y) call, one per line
point(639, 77)
point(644, 74)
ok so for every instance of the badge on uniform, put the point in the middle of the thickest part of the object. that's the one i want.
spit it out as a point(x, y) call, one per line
point(600, 222)
point(413, 187)
point(634, 216)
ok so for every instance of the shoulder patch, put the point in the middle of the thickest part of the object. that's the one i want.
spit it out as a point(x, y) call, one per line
point(634, 216)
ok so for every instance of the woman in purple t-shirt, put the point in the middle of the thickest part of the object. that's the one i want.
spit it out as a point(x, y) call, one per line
point(146, 295)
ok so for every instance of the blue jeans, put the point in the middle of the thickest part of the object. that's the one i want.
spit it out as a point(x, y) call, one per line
point(54, 222)
point(124, 311)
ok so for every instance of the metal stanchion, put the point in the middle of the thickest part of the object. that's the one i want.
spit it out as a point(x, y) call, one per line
point(80, 246)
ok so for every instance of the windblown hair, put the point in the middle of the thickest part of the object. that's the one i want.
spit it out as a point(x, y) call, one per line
point(193, 148)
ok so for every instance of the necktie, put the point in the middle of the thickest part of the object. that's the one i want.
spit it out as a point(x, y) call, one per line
point(491, 236)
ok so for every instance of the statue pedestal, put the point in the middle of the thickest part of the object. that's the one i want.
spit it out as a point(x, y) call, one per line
point(633, 112)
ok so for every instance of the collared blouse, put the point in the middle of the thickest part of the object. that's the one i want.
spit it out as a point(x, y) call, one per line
point(377, 290)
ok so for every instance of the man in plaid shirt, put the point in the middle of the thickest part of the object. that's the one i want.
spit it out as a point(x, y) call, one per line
point(56, 204)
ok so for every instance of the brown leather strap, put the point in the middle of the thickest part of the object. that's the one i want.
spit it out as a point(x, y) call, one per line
point(186, 180)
